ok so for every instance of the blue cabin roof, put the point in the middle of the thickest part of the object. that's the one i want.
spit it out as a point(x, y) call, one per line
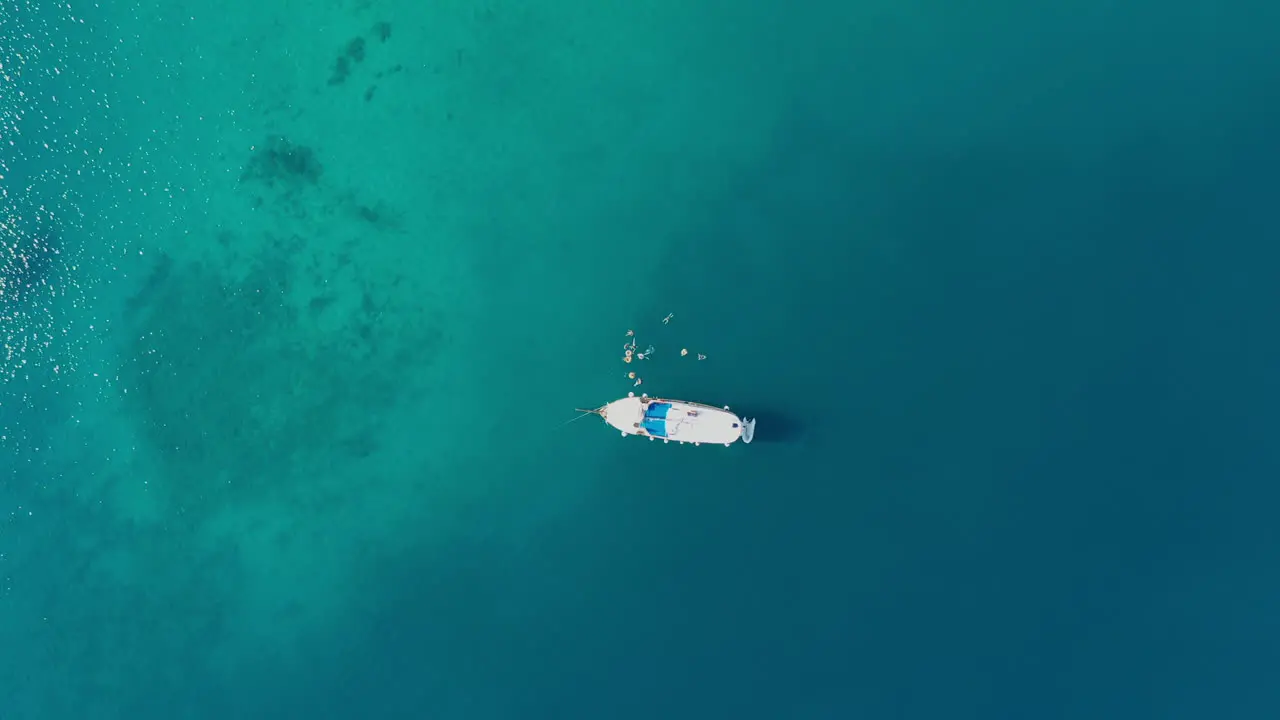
point(656, 427)
point(655, 419)
point(657, 410)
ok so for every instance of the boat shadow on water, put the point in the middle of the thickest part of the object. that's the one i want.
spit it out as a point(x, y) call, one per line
point(775, 426)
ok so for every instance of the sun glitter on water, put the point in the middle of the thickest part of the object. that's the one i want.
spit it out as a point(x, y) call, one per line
point(53, 127)
point(36, 278)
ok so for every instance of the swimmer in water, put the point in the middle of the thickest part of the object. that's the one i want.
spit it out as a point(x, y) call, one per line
point(701, 356)
point(667, 319)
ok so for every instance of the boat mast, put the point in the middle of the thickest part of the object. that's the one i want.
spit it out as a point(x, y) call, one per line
point(584, 412)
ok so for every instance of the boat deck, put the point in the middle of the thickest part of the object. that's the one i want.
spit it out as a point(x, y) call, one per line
point(674, 420)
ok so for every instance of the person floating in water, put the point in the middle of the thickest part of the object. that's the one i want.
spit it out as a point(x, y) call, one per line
point(667, 319)
point(701, 356)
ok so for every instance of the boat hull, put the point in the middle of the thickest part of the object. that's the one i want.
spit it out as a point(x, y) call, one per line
point(677, 421)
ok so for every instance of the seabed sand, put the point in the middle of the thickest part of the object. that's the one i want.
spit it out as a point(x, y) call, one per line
point(357, 256)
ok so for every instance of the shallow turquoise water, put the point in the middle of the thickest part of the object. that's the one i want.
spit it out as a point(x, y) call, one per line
point(281, 410)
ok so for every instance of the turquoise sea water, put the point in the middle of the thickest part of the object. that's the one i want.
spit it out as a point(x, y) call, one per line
point(298, 296)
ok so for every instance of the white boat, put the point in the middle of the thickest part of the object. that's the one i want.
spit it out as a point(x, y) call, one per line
point(675, 420)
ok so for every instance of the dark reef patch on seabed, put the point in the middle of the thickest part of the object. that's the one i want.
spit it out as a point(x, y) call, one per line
point(237, 390)
point(354, 53)
point(281, 162)
point(286, 169)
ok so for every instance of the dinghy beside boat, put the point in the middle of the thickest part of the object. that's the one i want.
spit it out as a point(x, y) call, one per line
point(675, 420)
